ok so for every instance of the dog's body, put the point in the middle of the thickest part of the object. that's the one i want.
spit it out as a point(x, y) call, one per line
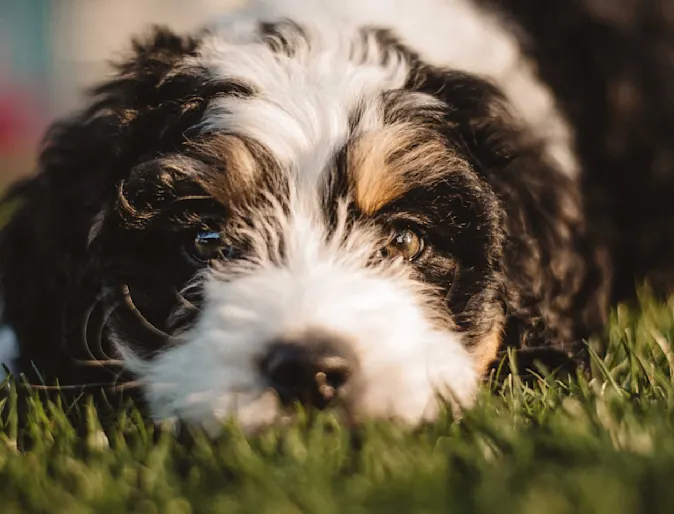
point(360, 204)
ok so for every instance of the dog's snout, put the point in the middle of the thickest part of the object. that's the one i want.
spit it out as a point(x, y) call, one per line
point(312, 371)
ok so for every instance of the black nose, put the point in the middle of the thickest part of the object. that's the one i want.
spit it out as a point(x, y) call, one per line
point(313, 371)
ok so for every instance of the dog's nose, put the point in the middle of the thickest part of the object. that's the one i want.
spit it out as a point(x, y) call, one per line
point(313, 373)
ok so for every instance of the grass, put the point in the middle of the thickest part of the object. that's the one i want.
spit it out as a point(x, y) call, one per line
point(604, 445)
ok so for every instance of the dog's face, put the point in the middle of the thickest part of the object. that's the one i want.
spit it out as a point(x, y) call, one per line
point(291, 216)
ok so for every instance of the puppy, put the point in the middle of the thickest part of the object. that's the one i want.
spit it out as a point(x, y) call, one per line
point(356, 204)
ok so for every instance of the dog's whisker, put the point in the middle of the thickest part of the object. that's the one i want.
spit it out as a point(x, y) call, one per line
point(106, 319)
point(193, 198)
point(85, 325)
point(70, 387)
point(453, 285)
point(85, 328)
point(133, 384)
point(99, 362)
point(130, 304)
point(194, 285)
point(93, 359)
point(185, 302)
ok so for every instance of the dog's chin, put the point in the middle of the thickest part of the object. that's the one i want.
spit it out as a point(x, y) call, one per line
point(255, 412)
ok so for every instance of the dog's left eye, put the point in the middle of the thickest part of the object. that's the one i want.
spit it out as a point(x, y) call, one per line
point(404, 243)
point(208, 245)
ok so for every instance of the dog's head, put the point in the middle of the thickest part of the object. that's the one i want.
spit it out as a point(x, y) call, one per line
point(278, 209)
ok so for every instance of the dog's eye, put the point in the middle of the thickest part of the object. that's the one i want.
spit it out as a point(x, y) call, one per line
point(404, 243)
point(208, 245)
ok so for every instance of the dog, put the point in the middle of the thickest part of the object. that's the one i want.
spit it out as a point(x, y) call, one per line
point(349, 204)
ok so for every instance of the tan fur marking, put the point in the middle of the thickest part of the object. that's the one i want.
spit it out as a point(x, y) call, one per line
point(487, 348)
point(246, 165)
point(234, 153)
point(385, 164)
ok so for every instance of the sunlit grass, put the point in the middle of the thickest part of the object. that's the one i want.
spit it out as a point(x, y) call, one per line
point(601, 445)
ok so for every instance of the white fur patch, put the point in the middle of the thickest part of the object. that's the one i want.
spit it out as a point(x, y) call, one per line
point(301, 108)
point(447, 33)
point(321, 281)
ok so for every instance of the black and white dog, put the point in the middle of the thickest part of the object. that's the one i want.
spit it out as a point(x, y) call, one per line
point(357, 203)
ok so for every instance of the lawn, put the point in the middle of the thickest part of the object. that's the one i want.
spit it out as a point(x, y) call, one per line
point(603, 446)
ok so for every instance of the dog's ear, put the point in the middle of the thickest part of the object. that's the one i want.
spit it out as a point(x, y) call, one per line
point(146, 107)
point(555, 281)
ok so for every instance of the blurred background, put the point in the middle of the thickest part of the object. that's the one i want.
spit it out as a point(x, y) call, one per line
point(51, 50)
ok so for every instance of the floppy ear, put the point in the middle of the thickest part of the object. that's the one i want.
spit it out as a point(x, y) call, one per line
point(44, 264)
point(555, 280)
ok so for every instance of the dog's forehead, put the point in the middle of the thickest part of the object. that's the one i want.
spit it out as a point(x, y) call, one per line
point(316, 96)
point(307, 91)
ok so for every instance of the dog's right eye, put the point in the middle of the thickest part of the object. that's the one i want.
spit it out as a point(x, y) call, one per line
point(208, 245)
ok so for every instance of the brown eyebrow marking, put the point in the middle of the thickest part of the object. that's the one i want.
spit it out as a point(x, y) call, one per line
point(231, 152)
point(384, 164)
point(238, 168)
